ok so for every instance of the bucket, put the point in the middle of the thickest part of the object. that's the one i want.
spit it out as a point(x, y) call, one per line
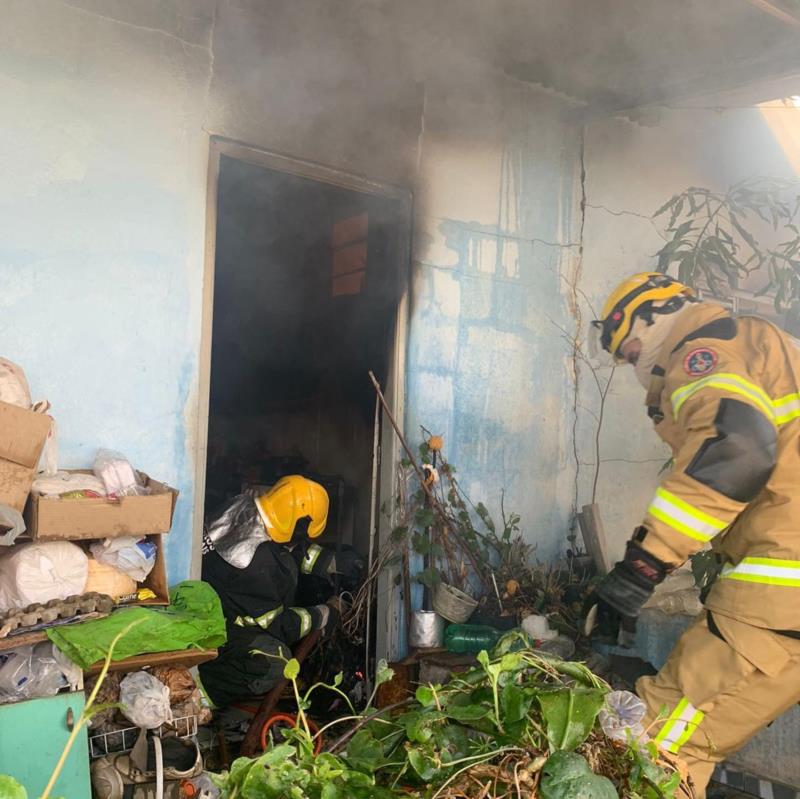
point(427, 630)
point(453, 604)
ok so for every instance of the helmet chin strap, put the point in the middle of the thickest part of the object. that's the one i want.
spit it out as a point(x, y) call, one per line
point(652, 330)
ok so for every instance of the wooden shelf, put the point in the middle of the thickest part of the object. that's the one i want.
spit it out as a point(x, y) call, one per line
point(177, 657)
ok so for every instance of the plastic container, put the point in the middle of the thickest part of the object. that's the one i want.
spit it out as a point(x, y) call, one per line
point(427, 629)
point(463, 638)
point(452, 603)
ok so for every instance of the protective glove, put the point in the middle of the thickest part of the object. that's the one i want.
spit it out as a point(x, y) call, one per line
point(349, 565)
point(610, 612)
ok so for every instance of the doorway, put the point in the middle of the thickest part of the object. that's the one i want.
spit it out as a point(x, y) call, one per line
point(306, 280)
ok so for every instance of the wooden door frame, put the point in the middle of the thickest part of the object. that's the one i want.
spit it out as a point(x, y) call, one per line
point(388, 604)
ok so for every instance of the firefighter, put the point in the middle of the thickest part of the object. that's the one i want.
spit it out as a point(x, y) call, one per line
point(724, 393)
point(254, 555)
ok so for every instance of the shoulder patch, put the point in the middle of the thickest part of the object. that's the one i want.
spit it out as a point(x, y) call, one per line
point(700, 361)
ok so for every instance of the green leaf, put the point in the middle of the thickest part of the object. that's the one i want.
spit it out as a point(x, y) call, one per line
point(332, 791)
point(667, 205)
point(425, 696)
point(421, 763)
point(292, 669)
point(453, 742)
point(364, 752)
point(383, 673)
point(466, 713)
point(11, 789)
point(569, 715)
point(683, 229)
point(430, 577)
point(421, 544)
point(514, 703)
point(337, 680)
point(419, 725)
point(566, 775)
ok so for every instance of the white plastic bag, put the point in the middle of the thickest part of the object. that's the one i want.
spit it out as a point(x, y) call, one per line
point(145, 700)
point(49, 461)
point(40, 572)
point(538, 628)
point(64, 482)
point(35, 671)
point(117, 474)
point(13, 385)
point(12, 525)
point(132, 555)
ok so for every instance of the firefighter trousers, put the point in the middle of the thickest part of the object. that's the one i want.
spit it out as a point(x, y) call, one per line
point(722, 683)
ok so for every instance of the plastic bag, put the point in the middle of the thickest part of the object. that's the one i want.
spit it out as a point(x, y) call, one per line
point(40, 572)
point(35, 671)
point(677, 594)
point(538, 628)
point(12, 525)
point(145, 700)
point(117, 474)
point(621, 717)
point(130, 554)
point(49, 461)
point(66, 482)
point(13, 385)
point(109, 580)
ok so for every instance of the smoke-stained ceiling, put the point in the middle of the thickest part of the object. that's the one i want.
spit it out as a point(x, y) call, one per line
point(615, 55)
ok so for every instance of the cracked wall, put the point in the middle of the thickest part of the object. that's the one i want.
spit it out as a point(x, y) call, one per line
point(631, 170)
point(109, 110)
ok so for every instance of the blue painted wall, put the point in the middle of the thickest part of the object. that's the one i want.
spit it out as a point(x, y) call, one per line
point(104, 161)
point(487, 362)
point(108, 112)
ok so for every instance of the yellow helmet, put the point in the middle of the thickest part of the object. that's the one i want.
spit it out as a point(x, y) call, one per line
point(631, 297)
point(293, 498)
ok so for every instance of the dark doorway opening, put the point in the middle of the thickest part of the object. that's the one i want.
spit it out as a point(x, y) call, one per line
point(307, 281)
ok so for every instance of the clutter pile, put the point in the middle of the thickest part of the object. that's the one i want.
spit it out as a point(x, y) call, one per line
point(82, 558)
point(517, 724)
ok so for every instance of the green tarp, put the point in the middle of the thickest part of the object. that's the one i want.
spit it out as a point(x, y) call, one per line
point(193, 620)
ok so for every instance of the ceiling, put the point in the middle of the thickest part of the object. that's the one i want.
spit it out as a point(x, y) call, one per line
point(615, 55)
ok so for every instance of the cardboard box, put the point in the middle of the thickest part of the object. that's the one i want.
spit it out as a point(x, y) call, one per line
point(50, 518)
point(22, 437)
point(157, 579)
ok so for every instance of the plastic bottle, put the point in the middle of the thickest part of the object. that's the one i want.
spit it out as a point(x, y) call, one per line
point(463, 638)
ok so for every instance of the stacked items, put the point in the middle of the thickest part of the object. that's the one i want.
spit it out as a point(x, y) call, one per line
point(88, 541)
point(164, 698)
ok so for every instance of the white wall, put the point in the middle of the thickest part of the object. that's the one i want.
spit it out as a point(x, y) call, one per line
point(108, 109)
point(631, 170)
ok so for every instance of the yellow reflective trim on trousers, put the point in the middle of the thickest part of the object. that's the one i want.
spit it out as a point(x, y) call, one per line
point(305, 621)
point(766, 571)
point(786, 408)
point(725, 381)
point(683, 517)
point(311, 557)
point(679, 727)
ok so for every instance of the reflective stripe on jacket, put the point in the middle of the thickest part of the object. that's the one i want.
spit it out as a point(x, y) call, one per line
point(727, 396)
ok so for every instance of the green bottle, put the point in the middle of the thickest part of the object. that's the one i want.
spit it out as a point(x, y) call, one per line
point(463, 638)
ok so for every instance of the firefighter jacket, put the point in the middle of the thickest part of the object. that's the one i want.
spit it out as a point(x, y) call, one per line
point(261, 597)
point(725, 395)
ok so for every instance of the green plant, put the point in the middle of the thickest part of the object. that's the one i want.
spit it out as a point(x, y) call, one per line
point(508, 721)
point(718, 239)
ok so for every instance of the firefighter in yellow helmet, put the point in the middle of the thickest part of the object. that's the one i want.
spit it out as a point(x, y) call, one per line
point(254, 555)
point(724, 393)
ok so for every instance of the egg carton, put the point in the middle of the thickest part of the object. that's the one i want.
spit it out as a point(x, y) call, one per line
point(37, 615)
